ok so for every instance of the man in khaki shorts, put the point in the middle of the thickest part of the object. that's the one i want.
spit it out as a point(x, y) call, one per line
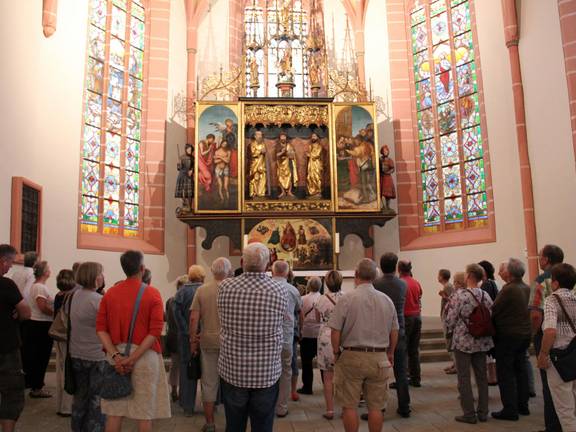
point(364, 335)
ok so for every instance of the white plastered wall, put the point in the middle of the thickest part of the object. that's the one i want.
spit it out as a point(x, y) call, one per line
point(41, 87)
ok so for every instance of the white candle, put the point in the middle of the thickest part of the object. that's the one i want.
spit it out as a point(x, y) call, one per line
point(337, 243)
point(245, 240)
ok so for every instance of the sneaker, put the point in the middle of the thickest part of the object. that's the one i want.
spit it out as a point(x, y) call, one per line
point(282, 414)
point(40, 394)
point(464, 419)
point(209, 428)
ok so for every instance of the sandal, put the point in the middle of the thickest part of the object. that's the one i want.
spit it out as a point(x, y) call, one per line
point(328, 415)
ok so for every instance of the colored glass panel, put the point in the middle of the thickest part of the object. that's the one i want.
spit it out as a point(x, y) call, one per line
point(431, 213)
point(442, 58)
point(419, 37)
point(452, 185)
point(131, 188)
point(89, 210)
point(437, 7)
point(117, 53)
point(472, 143)
point(93, 111)
point(421, 65)
point(94, 75)
point(114, 116)
point(425, 124)
point(132, 155)
point(98, 13)
point(461, 18)
point(446, 117)
point(112, 154)
point(133, 118)
point(463, 48)
point(453, 210)
point(430, 185)
point(138, 11)
point(469, 111)
point(427, 155)
point(418, 16)
point(130, 219)
point(111, 215)
point(440, 28)
point(111, 183)
point(91, 148)
point(134, 92)
point(467, 82)
point(90, 177)
point(477, 206)
point(456, 2)
point(423, 94)
point(444, 87)
point(118, 27)
point(116, 82)
point(120, 3)
point(137, 34)
point(475, 176)
point(135, 63)
point(97, 42)
point(449, 147)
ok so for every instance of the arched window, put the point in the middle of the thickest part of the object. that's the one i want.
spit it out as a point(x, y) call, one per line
point(111, 162)
point(271, 27)
point(450, 140)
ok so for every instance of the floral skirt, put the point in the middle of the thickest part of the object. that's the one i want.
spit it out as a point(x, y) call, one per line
point(325, 356)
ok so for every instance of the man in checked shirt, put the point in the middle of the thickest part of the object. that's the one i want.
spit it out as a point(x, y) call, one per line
point(251, 308)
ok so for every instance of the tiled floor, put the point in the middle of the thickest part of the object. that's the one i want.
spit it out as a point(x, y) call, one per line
point(434, 406)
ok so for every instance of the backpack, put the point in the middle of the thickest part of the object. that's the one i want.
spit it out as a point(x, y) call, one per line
point(480, 320)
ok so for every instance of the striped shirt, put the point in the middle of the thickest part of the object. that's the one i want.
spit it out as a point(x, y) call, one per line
point(554, 318)
point(251, 308)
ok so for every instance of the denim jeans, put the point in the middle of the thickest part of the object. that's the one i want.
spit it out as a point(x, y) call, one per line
point(551, 421)
point(86, 412)
point(188, 387)
point(402, 392)
point(255, 404)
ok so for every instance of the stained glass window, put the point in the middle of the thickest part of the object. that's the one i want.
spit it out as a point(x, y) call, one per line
point(112, 118)
point(448, 114)
point(267, 40)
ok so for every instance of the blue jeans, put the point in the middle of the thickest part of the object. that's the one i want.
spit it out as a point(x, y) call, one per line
point(402, 392)
point(86, 413)
point(188, 387)
point(243, 403)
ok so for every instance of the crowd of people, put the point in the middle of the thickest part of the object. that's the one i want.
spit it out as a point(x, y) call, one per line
point(238, 334)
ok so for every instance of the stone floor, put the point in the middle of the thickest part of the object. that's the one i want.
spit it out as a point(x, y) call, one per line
point(434, 406)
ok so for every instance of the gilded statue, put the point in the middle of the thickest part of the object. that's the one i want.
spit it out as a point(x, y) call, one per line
point(285, 13)
point(285, 65)
point(254, 79)
point(314, 73)
point(257, 172)
point(315, 170)
point(286, 166)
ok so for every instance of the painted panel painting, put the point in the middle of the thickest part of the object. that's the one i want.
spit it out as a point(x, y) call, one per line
point(217, 160)
point(306, 244)
point(356, 173)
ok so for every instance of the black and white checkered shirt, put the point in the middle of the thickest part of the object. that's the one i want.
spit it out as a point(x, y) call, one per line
point(251, 308)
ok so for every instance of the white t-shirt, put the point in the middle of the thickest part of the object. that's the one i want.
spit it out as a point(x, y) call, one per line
point(310, 327)
point(39, 290)
point(23, 277)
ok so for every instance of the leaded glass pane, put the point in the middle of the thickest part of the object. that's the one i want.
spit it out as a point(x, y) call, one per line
point(464, 48)
point(111, 216)
point(475, 176)
point(442, 58)
point(120, 3)
point(137, 34)
point(452, 186)
point(112, 154)
point(114, 116)
point(449, 146)
point(440, 28)
point(89, 210)
point(117, 53)
point(90, 177)
point(94, 75)
point(453, 210)
point(467, 79)
point(431, 213)
point(130, 220)
point(423, 94)
point(132, 155)
point(135, 64)
point(418, 16)
point(137, 11)
point(430, 185)
point(93, 112)
point(116, 82)
point(477, 206)
point(134, 92)
point(131, 191)
point(469, 111)
point(446, 117)
point(472, 143)
point(444, 87)
point(111, 183)
point(456, 2)
point(425, 124)
point(98, 13)
point(97, 42)
point(427, 155)
point(91, 148)
point(437, 7)
point(133, 119)
point(118, 27)
point(421, 65)
point(419, 37)
point(460, 18)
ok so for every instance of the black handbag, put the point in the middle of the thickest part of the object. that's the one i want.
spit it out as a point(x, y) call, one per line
point(115, 385)
point(69, 379)
point(194, 368)
point(564, 360)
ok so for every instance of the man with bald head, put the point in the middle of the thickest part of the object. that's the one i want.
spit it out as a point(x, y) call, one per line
point(280, 270)
point(364, 335)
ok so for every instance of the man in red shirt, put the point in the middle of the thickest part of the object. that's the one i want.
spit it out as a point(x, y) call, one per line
point(412, 320)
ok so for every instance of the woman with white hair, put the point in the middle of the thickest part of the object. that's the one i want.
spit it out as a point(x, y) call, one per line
point(310, 329)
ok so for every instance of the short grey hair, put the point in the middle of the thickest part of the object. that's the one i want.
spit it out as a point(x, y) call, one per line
point(314, 284)
point(366, 269)
point(221, 268)
point(516, 268)
point(280, 268)
point(255, 257)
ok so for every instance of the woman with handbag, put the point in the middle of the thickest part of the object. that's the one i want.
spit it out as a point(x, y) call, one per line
point(558, 352)
point(87, 358)
point(129, 323)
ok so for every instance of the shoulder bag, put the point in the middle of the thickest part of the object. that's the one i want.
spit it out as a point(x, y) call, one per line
point(564, 360)
point(59, 328)
point(69, 380)
point(115, 385)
